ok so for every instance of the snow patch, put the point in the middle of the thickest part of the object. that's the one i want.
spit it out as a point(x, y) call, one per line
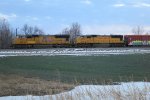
point(124, 91)
point(75, 52)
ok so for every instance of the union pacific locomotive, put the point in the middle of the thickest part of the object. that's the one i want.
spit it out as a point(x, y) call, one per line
point(45, 41)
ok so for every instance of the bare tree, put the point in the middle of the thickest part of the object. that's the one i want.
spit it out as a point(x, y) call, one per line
point(25, 29)
point(147, 33)
point(138, 30)
point(38, 31)
point(74, 31)
point(65, 31)
point(30, 30)
point(5, 34)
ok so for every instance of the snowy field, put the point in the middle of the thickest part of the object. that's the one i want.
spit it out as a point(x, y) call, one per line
point(74, 51)
point(123, 91)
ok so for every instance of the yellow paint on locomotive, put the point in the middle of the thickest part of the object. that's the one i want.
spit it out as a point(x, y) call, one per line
point(98, 39)
point(42, 40)
point(81, 40)
point(101, 39)
point(19, 41)
point(53, 40)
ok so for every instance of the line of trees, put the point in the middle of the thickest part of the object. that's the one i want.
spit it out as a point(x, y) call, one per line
point(73, 31)
point(31, 30)
point(6, 34)
point(138, 30)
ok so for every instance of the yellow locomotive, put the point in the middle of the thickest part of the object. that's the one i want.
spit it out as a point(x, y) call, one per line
point(98, 40)
point(41, 41)
point(38, 41)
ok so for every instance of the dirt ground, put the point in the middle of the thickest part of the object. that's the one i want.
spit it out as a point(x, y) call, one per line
point(18, 85)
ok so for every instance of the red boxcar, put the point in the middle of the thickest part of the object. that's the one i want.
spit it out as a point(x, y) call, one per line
point(137, 40)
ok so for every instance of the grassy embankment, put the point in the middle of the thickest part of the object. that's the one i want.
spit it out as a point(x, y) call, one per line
point(17, 85)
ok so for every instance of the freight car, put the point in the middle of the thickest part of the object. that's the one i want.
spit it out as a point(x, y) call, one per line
point(137, 40)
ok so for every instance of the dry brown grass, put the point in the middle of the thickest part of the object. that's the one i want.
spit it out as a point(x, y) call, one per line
point(17, 85)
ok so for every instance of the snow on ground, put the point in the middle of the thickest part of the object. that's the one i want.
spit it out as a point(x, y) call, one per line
point(124, 91)
point(74, 51)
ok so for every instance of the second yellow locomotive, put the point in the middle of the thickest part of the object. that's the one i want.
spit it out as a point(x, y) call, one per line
point(100, 40)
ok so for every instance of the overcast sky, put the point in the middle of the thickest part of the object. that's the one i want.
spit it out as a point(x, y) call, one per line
point(95, 16)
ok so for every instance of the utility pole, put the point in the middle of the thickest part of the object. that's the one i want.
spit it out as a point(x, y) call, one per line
point(17, 32)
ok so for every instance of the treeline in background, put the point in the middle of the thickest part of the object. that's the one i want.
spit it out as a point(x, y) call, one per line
point(7, 33)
